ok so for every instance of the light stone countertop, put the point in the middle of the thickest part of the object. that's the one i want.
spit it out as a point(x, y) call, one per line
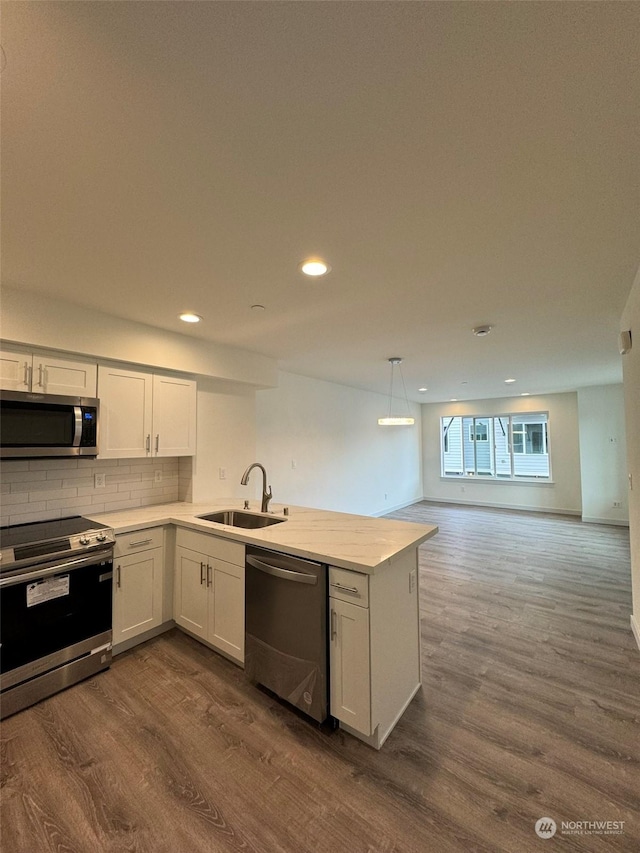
point(357, 542)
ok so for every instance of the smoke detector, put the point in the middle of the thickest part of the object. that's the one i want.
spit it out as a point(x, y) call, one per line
point(482, 331)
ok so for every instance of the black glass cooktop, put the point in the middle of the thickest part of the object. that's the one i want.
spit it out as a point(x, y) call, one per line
point(45, 531)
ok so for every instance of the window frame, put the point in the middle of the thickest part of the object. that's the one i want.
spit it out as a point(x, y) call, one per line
point(499, 418)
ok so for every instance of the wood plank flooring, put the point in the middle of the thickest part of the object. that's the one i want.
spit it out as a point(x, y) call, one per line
point(529, 708)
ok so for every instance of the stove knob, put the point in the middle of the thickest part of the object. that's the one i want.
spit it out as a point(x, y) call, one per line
point(84, 540)
point(101, 537)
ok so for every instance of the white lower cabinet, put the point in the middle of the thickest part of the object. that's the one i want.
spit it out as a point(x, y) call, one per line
point(138, 585)
point(209, 590)
point(374, 647)
point(350, 669)
point(349, 662)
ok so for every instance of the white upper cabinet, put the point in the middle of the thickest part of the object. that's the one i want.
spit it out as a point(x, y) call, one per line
point(125, 413)
point(174, 416)
point(145, 414)
point(21, 370)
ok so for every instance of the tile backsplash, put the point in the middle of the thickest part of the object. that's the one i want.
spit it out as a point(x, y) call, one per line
point(40, 489)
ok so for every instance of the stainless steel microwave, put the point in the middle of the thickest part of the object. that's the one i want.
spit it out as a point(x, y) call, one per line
point(42, 425)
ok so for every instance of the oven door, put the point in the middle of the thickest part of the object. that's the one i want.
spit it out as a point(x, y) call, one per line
point(57, 606)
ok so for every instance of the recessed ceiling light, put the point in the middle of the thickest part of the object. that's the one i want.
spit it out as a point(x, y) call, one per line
point(314, 267)
point(509, 381)
point(482, 331)
point(423, 389)
point(257, 307)
point(190, 317)
point(453, 400)
point(525, 394)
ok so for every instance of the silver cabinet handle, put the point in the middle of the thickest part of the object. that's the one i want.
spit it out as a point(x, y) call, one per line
point(41, 376)
point(334, 624)
point(26, 375)
point(202, 579)
point(118, 576)
point(148, 443)
point(139, 543)
point(209, 576)
point(353, 589)
point(157, 444)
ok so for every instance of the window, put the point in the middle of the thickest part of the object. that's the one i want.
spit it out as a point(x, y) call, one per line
point(503, 447)
point(529, 438)
point(478, 431)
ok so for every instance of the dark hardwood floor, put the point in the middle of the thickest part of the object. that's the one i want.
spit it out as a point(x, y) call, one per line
point(529, 709)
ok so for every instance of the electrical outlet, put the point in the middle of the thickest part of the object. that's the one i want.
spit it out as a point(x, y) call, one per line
point(222, 473)
point(99, 481)
point(157, 476)
point(617, 504)
point(412, 580)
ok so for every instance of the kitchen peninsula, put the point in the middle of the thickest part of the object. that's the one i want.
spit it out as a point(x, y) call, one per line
point(373, 579)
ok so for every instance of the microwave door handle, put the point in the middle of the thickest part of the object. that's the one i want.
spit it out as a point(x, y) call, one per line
point(77, 414)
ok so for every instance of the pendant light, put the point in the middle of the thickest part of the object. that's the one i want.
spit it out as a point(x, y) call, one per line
point(395, 420)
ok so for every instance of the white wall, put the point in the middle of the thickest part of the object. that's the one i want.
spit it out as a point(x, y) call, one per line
point(603, 454)
point(631, 375)
point(563, 494)
point(344, 460)
point(226, 439)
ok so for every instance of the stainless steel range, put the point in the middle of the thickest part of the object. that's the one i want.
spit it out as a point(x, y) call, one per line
point(56, 581)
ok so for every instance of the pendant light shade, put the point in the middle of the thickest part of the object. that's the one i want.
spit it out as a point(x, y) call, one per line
point(397, 419)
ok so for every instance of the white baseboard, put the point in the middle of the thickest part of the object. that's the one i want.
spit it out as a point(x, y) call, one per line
point(621, 522)
point(635, 627)
point(494, 505)
point(396, 507)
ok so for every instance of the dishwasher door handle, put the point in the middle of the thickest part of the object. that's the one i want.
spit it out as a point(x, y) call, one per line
point(285, 574)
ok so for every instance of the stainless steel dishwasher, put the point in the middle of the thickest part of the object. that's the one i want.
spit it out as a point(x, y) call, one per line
point(286, 628)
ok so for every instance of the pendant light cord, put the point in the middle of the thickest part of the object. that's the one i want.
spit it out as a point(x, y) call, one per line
point(391, 390)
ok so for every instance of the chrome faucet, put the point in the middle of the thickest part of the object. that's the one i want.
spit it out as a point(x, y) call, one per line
point(266, 495)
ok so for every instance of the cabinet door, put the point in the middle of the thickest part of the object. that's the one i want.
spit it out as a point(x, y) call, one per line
point(125, 413)
point(24, 371)
point(174, 416)
point(137, 594)
point(64, 376)
point(350, 667)
point(15, 370)
point(190, 592)
point(226, 610)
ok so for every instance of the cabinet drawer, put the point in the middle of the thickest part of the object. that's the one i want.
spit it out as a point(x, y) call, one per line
point(349, 586)
point(138, 540)
point(214, 546)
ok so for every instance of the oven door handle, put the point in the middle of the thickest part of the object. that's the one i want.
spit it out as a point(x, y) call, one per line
point(55, 569)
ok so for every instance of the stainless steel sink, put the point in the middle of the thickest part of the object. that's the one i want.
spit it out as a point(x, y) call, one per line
point(239, 518)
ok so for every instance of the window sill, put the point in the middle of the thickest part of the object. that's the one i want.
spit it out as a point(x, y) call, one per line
point(520, 481)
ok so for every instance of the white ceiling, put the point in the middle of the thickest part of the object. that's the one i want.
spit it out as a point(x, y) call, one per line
point(457, 163)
